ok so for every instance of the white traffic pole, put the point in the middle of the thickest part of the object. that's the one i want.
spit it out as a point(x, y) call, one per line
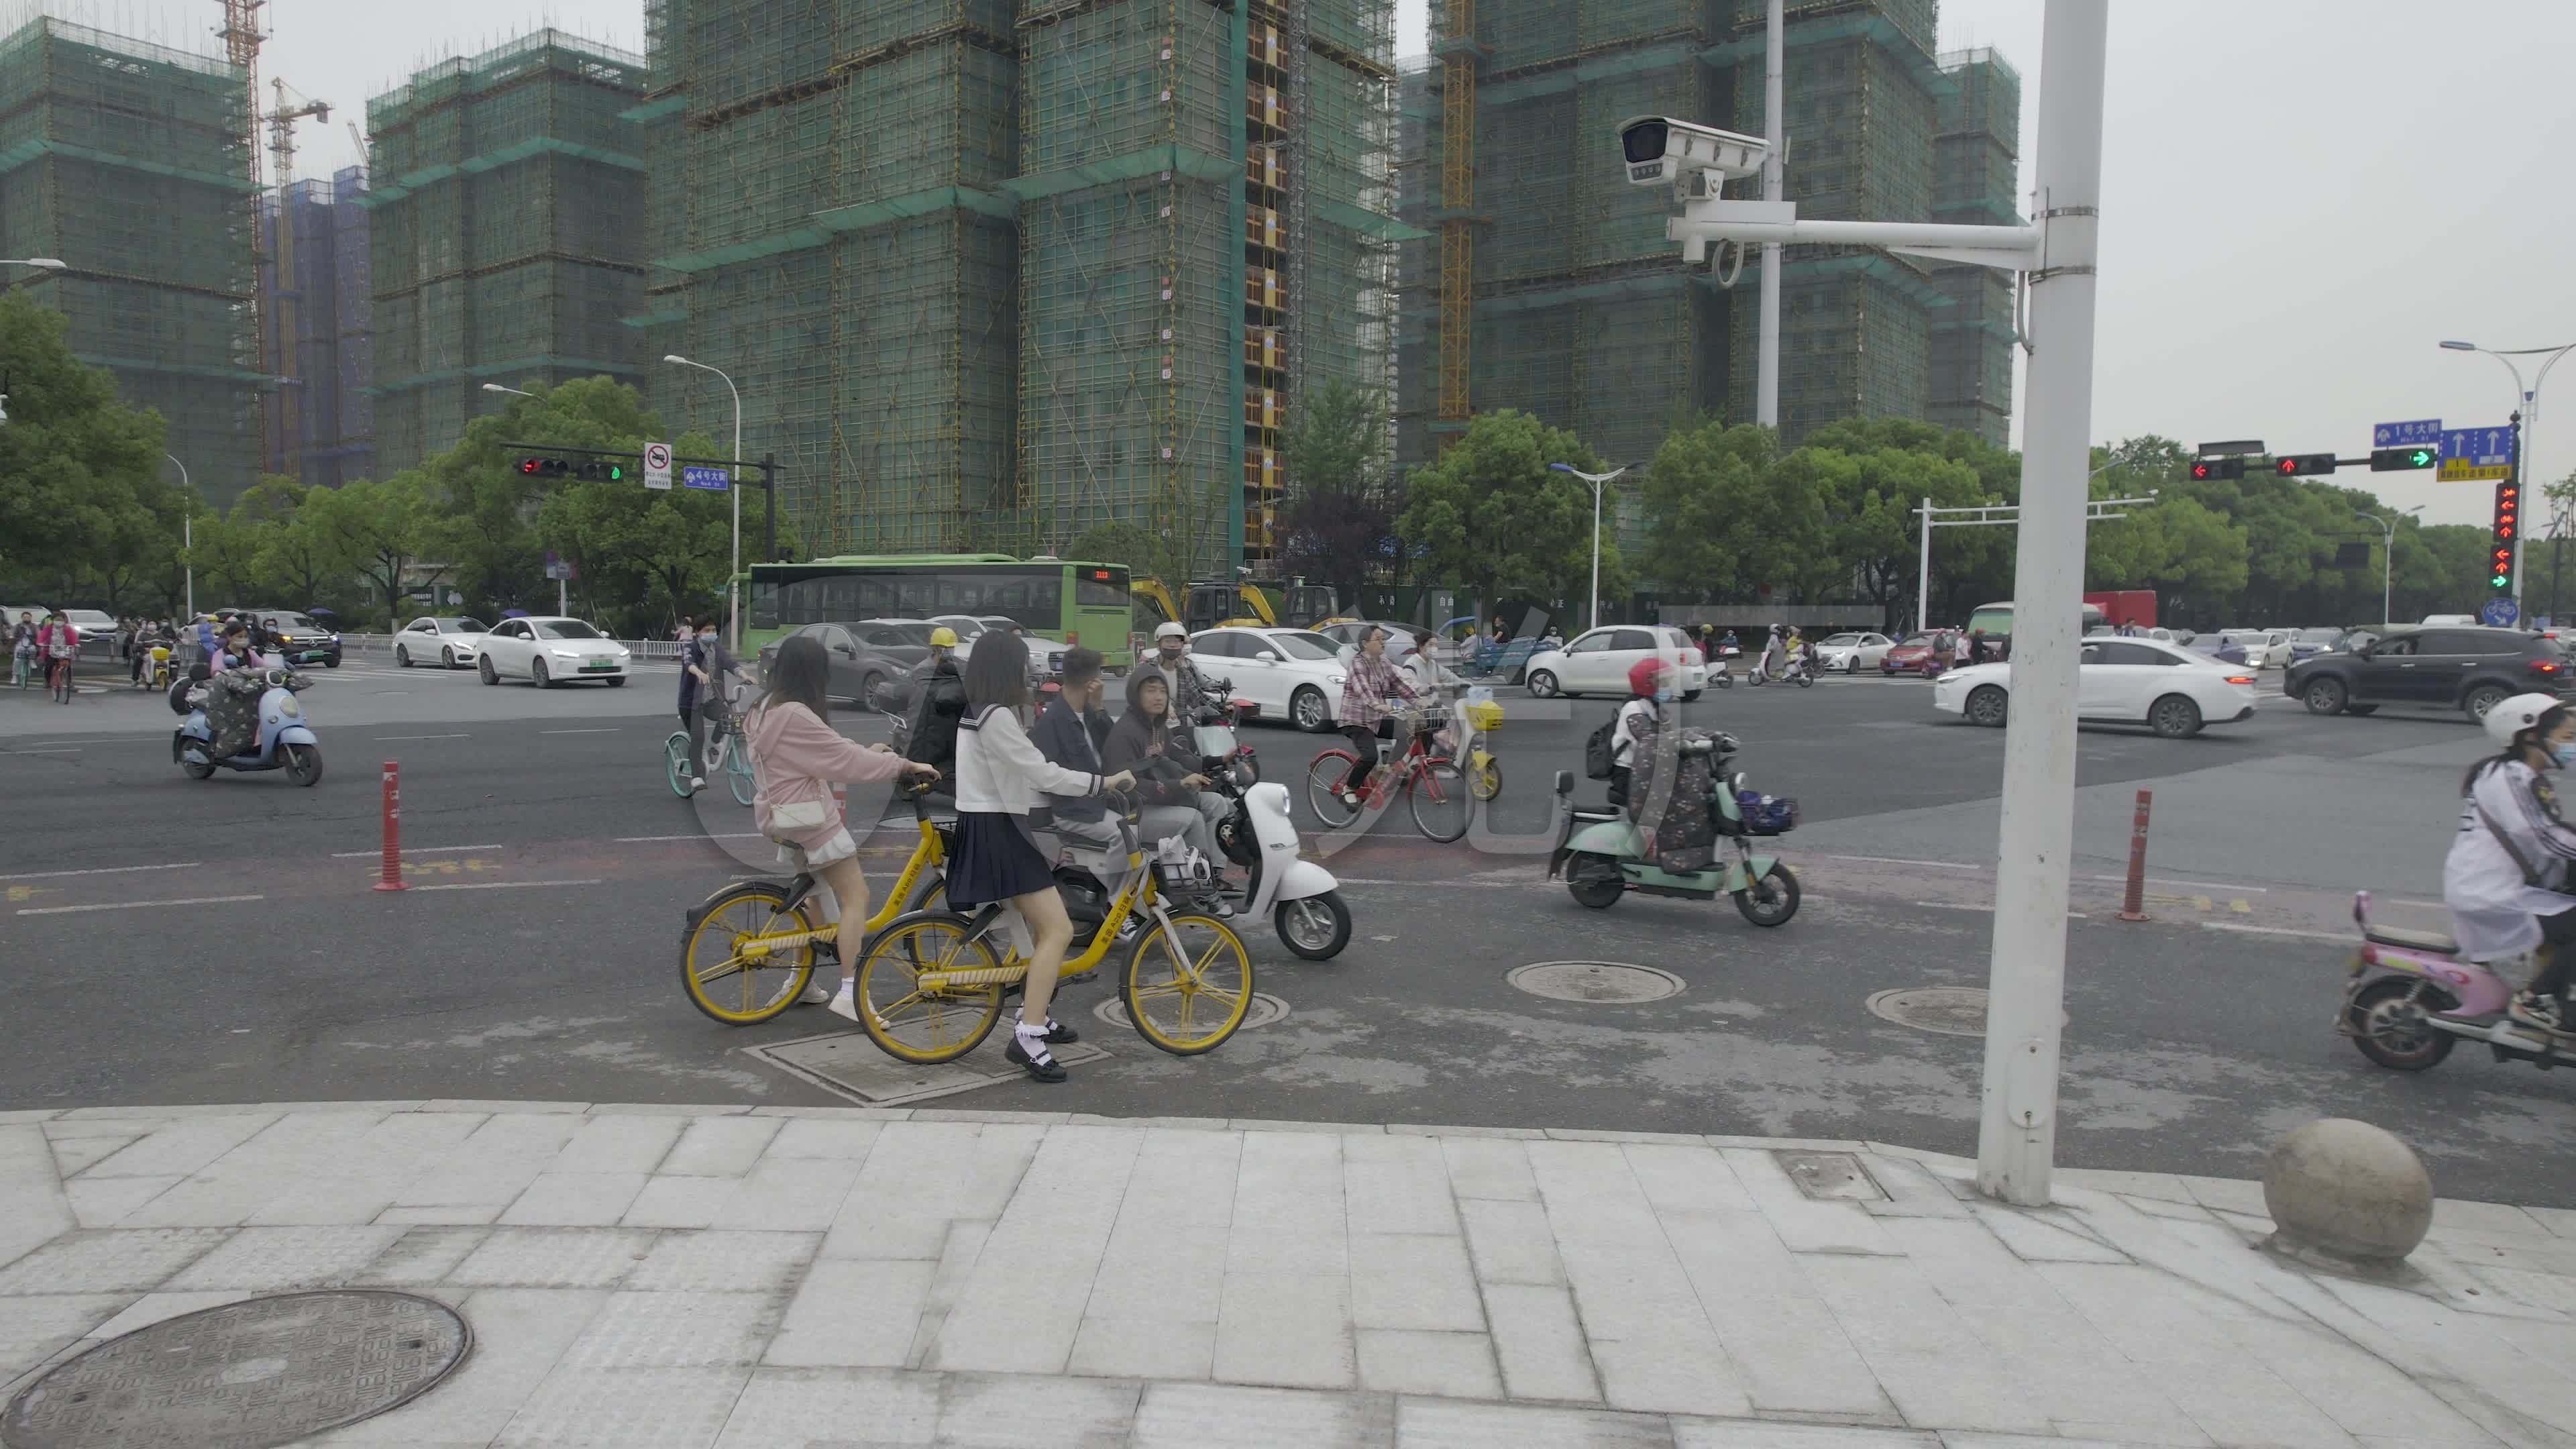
point(1923, 573)
point(1597, 480)
point(2017, 1133)
point(1766, 394)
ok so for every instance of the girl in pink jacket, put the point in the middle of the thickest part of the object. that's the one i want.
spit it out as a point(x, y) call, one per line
point(797, 757)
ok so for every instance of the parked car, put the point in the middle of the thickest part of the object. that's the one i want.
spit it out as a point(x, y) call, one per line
point(2112, 631)
point(451, 639)
point(2218, 647)
point(1925, 652)
point(1849, 653)
point(1285, 674)
point(300, 637)
point(2163, 686)
point(1401, 639)
point(2468, 668)
point(2264, 648)
point(863, 654)
point(547, 650)
point(1597, 661)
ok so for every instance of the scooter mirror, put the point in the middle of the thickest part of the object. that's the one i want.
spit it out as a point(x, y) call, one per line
point(1565, 782)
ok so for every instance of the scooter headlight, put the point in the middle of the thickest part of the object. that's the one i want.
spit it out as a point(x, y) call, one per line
point(289, 708)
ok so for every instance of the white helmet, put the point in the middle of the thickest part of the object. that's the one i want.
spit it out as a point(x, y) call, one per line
point(2517, 714)
point(1168, 630)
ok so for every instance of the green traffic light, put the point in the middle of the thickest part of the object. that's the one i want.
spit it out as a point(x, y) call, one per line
point(615, 473)
point(2423, 458)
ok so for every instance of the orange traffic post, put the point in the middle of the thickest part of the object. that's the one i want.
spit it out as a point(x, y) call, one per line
point(2135, 907)
point(391, 879)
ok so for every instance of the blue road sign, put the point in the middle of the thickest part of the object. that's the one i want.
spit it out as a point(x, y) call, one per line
point(2479, 447)
point(2499, 612)
point(2406, 435)
point(711, 479)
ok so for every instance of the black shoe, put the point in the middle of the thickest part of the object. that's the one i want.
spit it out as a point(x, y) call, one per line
point(1043, 1068)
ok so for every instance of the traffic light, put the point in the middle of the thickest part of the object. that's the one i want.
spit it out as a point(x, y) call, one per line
point(544, 467)
point(2295, 464)
point(2507, 537)
point(2207, 468)
point(604, 471)
point(599, 470)
point(2400, 460)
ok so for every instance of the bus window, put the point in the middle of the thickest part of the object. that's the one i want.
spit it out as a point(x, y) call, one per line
point(1099, 589)
point(762, 600)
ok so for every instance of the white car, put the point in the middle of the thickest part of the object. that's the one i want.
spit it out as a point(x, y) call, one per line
point(2127, 681)
point(454, 640)
point(548, 651)
point(1290, 674)
point(2265, 648)
point(965, 626)
point(1849, 653)
point(1597, 661)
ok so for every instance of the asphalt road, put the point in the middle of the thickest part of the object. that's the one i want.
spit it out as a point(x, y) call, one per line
point(219, 940)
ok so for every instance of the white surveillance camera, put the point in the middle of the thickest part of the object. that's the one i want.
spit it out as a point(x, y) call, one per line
point(1660, 151)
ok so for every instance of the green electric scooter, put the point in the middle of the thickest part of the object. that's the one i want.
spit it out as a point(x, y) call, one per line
point(1601, 853)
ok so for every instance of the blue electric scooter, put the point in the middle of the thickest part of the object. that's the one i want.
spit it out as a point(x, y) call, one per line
point(285, 740)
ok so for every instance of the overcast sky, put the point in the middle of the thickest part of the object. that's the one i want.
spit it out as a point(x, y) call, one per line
point(2296, 209)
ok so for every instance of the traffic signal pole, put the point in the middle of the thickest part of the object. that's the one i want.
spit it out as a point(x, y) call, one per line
point(2056, 255)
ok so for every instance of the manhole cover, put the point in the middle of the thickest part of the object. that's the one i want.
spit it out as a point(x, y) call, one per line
point(848, 1063)
point(1264, 1010)
point(244, 1375)
point(1599, 982)
point(1950, 1010)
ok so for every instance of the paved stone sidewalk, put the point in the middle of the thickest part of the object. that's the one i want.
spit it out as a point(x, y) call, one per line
point(648, 1276)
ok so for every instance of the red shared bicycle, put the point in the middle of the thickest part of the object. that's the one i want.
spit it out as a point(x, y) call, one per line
point(1435, 788)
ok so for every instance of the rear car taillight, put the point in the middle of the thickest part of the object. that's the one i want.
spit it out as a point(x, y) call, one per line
point(2240, 679)
point(2543, 666)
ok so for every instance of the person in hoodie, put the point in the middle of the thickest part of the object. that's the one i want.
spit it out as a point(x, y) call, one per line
point(796, 759)
point(1071, 732)
point(1154, 744)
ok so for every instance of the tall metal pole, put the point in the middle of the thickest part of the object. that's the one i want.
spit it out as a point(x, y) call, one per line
point(1923, 573)
point(733, 580)
point(2017, 1133)
point(188, 532)
point(1766, 394)
point(1597, 480)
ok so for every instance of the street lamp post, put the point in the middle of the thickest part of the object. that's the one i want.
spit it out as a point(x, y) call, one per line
point(188, 531)
point(733, 580)
point(2527, 409)
point(2388, 555)
point(50, 264)
point(1597, 480)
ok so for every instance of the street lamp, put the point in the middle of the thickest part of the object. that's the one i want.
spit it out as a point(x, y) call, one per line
point(2527, 409)
point(188, 532)
point(515, 392)
point(2388, 555)
point(1596, 480)
point(51, 264)
point(733, 580)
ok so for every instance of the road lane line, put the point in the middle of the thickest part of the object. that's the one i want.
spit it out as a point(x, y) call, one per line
point(498, 885)
point(609, 731)
point(1892, 860)
point(135, 905)
point(411, 850)
point(2207, 885)
point(106, 870)
point(385, 739)
point(1971, 906)
point(653, 839)
point(44, 750)
point(2274, 931)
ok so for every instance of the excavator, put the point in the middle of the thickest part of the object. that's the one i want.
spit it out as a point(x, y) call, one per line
point(1214, 603)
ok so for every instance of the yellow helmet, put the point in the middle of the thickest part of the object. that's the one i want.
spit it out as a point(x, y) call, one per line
point(943, 637)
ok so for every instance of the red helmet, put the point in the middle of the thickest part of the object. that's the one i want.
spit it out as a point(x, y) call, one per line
point(1644, 675)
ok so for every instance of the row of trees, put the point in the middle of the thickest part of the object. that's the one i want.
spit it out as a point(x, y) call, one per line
point(91, 513)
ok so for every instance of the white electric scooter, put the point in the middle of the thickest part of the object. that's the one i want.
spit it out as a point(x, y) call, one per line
point(1301, 898)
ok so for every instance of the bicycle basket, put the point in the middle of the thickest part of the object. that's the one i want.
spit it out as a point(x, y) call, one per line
point(1766, 814)
point(1484, 714)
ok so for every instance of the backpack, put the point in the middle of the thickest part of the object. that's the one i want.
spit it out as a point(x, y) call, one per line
point(1597, 754)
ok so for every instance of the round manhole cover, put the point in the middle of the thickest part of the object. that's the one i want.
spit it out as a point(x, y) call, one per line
point(1950, 1010)
point(1264, 1010)
point(1617, 983)
point(244, 1375)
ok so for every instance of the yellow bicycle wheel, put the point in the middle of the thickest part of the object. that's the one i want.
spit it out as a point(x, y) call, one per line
point(1484, 775)
point(727, 973)
point(936, 1024)
point(1189, 999)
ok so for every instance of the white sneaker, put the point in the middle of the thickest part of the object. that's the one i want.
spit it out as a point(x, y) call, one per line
point(845, 1002)
point(697, 782)
point(816, 994)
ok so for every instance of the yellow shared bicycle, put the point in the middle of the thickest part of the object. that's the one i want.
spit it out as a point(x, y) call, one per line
point(747, 951)
point(930, 988)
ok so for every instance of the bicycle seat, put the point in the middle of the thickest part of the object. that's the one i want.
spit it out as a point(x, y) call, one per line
point(2405, 940)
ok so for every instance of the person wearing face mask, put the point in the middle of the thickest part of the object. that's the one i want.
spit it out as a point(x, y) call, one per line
point(1651, 683)
point(1172, 659)
point(703, 667)
point(2507, 879)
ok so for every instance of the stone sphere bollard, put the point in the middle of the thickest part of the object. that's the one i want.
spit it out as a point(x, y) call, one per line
point(2347, 1194)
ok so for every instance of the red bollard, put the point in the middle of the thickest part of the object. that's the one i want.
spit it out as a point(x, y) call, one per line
point(392, 879)
point(2136, 907)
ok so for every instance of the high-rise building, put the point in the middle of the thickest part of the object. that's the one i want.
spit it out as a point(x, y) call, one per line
point(126, 160)
point(320, 418)
point(507, 213)
point(1578, 308)
point(988, 273)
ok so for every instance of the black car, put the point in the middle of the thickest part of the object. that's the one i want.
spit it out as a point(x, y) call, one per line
point(299, 637)
point(2446, 667)
point(865, 653)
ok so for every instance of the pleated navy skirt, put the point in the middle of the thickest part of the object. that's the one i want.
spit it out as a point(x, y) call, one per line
point(995, 860)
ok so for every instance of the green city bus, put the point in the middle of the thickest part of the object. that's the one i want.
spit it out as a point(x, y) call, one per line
point(1070, 602)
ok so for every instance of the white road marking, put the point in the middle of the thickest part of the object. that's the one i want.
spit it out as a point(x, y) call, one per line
point(103, 870)
point(609, 731)
point(135, 905)
point(2273, 931)
point(1971, 906)
point(44, 750)
point(1482, 885)
point(413, 850)
point(2207, 885)
point(654, 839)
point(384, 739)
point(1892, 860)
point(501, 885)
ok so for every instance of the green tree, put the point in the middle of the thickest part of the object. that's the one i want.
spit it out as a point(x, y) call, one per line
point(382, 530)
point(1494, 517)
point(1340, 508)
point(83, 506)
point(1699, 543)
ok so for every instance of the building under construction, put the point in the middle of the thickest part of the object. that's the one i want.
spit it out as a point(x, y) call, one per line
point(507, 233)
point(1551, 287)
point(988, 273)
point(129, 162)
point(314, 270)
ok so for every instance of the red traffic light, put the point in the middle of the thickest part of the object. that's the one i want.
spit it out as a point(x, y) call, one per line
point(528, 465)
point(2296, 464)
point(2204, 469)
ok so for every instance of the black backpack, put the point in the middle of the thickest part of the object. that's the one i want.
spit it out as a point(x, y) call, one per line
point(1597, 753)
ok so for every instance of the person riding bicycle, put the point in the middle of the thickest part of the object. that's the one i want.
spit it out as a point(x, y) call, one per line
point(930, 735)
point(2507, 879)
point(704, 664)
point(58, 645)
point(796, 759)
point(1370, 683)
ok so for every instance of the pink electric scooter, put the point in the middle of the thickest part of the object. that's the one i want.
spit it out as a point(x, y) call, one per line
point(2411, 999)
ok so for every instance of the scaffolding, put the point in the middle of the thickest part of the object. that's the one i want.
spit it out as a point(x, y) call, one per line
point(507, 227)
point(96, 132)
point(1976, 177)
point(325, 303)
